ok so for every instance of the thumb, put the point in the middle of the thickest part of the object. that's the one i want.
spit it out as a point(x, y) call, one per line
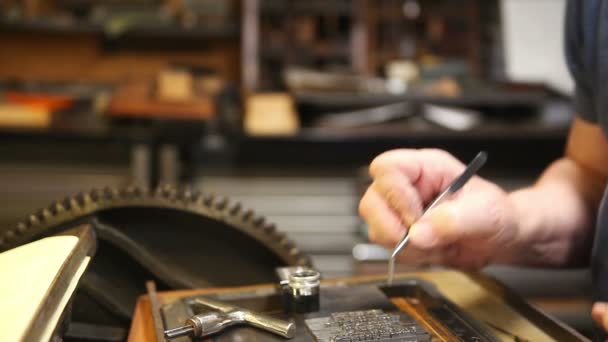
point(471, 217)
point(434, 229)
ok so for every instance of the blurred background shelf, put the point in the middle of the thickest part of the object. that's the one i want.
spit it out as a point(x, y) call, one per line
point(227, 31)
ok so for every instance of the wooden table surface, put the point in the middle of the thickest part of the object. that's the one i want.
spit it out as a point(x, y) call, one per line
point(481, 297)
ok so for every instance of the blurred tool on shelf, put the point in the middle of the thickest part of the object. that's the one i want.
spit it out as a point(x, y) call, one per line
point(175, 94)
point(271, 114)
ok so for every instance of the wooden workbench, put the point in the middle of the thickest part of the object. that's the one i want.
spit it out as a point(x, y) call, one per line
point(481, 297)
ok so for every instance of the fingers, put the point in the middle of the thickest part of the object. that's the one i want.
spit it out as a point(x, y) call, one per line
point(479, 215)
point(599, 313)
point(385, 226)
point(406, 179)
point(465, 232)
point(429, 170)
point(399, 195)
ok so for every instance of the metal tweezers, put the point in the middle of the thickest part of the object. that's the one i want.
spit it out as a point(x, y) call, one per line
point(471, 169)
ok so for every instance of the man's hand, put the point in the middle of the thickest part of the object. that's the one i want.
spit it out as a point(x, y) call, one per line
point(599, 313)
point(473, 228)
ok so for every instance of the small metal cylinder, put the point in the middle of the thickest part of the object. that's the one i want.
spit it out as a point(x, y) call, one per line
point(302, 291)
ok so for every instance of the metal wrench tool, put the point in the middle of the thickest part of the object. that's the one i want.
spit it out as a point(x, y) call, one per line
point(471, 169)
point(225, 315)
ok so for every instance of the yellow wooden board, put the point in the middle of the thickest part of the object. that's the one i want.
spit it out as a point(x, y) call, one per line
point(28, 274)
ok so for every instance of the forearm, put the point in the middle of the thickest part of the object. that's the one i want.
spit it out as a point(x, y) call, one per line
point(556, 216)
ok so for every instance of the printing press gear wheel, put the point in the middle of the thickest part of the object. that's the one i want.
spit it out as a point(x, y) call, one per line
point(179, 238)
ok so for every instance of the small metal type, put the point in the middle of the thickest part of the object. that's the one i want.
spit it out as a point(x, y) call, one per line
point(300, 287)
point(367, 325)
point(471, 169)
point(225, 315)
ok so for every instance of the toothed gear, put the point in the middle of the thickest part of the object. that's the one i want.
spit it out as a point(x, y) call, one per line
point(180, 237)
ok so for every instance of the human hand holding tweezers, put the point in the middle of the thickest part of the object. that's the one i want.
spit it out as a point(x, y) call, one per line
point(471, 169)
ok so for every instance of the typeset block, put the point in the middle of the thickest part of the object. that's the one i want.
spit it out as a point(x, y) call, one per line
point(367, 325)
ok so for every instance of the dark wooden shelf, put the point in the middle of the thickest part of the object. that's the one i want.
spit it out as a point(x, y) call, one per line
point(314, 7)
point(48, 26)
point(227, 31)
point(404, 133)
point(478, 98)
point(536, 145)
point(318, 52)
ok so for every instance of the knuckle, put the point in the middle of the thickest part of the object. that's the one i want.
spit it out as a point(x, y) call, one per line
point(387, 161)
point(379, 164)
point(364, 206)
point(497, 219)
point(393, 197)
point(444, 158)
point(399, 199)
point(494, 212)
point(377, 235)
point(438, 153)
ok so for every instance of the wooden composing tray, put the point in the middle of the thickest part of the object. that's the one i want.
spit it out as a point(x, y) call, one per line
point(449, 305)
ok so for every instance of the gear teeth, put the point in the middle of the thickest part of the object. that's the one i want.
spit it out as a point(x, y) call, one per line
point(144, 191)
point(184, 195)
point(74, 203)
point(96, 195)
point(219, 208)
point(66, 203)
point(33, 220)
point(167, 191)
point(247, 215)
point(110, 193)
point(287, 244)
point(80, 199)
point(131, 191)
point(259, 221)
point(21, 228)
point(280, 237)
point(269, 228)
point(46, 214)
point(86, 199)
point(57, 208)
point(9, 235)
point(221, 204)
point(208, 199)
point(197, 198)
point(236, 208)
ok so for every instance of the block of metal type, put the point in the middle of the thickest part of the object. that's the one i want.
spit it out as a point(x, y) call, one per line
point(367, 325)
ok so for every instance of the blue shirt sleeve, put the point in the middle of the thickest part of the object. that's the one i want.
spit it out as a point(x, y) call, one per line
point(581, 53)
